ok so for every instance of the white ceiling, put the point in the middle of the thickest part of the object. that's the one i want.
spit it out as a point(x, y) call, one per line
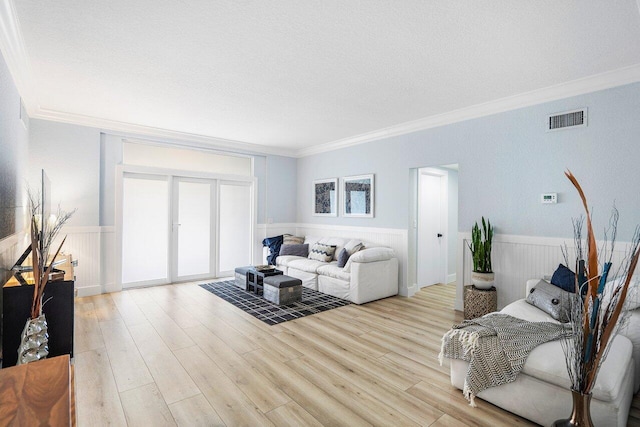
point(292, 75)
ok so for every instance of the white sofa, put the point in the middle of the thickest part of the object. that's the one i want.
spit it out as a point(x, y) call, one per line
point(370, 274)
point(541, 391)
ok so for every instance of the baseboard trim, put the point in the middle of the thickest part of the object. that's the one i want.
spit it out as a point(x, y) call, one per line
point(409, 292)
point(87, 291)
point(451, 278)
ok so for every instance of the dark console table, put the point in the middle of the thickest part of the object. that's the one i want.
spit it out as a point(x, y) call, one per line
point(16, 307)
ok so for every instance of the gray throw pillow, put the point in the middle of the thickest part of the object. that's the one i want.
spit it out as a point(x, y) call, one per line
point(552, 300)
point(297, 250)
point(343, 257)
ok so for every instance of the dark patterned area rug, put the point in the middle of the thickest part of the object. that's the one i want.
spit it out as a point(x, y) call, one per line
point(312, 302)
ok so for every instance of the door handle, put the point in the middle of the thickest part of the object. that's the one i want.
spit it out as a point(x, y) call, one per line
point(439, 234)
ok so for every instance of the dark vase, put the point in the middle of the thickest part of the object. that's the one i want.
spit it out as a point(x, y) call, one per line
point(580, 414)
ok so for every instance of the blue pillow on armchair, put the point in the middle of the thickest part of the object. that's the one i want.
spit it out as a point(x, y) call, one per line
point(564, 279)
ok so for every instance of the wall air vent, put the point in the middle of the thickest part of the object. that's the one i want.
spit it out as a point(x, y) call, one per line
point(568, 119)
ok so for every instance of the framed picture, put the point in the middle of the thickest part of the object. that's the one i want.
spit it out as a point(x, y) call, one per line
point(325, 197)
point(358, 196)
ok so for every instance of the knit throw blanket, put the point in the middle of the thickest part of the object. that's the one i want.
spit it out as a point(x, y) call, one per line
point(496, 347)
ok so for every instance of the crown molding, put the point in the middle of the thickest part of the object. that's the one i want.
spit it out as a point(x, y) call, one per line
point(577, 87)
point(15, 55)
point(159, 133)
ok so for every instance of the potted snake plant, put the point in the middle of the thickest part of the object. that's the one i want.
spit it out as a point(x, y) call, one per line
point(482, 276)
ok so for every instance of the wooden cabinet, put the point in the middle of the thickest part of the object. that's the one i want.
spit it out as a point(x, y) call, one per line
point(37, 394)
point(58, 309)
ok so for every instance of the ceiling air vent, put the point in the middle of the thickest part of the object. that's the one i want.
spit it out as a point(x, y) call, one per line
point(568, 119)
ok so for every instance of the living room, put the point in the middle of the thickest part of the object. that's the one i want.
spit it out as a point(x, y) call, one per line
point(492, 122)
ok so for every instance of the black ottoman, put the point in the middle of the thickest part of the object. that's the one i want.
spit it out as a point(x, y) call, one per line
point(282, 290)
point(241, 277)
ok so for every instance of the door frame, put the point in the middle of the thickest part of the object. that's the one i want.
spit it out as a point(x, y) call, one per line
point(444, 220)
point(152, 282)
point(252, 208)
point(213, 220)
point(122, 169)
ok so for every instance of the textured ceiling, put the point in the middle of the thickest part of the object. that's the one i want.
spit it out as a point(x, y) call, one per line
point(294, 74)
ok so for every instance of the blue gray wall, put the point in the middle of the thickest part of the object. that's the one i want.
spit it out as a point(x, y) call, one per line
point(506, 161)
point(281, 187)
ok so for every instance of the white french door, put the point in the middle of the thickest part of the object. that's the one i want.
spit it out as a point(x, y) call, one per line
point(181, 228)
point(145, 230)
point(235, 226)
point(193, 229)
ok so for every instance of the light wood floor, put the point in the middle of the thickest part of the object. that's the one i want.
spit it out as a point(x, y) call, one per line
point(178, 355)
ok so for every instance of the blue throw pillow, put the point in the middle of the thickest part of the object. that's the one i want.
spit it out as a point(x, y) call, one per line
point(564, 279)
point(343, 257)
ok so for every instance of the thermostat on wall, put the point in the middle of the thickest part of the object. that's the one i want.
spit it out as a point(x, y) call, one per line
point(549, 198)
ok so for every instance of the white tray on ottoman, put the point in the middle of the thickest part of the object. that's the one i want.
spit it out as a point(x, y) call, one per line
point(282, 290)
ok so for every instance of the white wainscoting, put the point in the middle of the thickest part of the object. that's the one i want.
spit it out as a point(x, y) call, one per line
point(83, 243)
point(516, 259)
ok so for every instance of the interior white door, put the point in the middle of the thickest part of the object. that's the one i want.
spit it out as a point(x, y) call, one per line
point(193, 228)
point(431, 261)
point(145, 230)
point(235, 226)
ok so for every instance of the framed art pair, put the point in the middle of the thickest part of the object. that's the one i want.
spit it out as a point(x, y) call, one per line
point(357, 196)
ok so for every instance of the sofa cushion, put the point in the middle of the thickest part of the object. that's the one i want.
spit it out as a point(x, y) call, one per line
point(353, 246)
point(632, 301)
point(294, 249)
point(286, 259)
point(336, 287)
point(370, 255)
point(311, 240)
point(332, 270)
point(523, 310)
point(322, 252)
point(309, 280)
point(305, 264)
point(547, 363)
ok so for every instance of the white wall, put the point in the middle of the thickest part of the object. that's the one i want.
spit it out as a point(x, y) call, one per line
point(70, 155)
